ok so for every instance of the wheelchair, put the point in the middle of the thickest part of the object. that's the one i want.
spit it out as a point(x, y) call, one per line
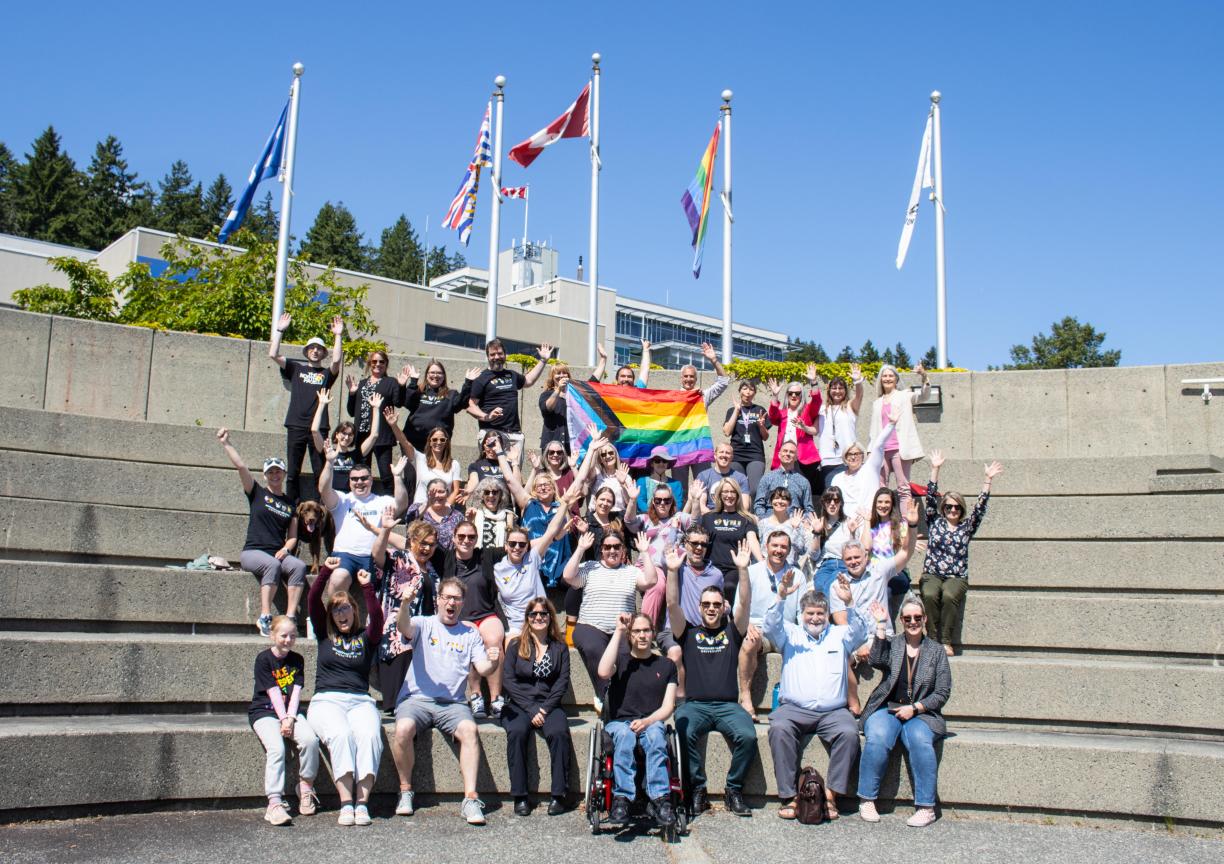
point(600, 781)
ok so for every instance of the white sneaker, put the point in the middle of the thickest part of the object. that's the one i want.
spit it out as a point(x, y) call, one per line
point(361, 815)
point(308, 801)
point(277, 814)
point(495, 710)
point(346, 817)
point(473, 811)
point(477, 704)
point(922, 817)
point(404, 806)
point(868, 812)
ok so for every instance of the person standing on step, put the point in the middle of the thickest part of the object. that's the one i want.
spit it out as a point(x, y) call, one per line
point(443, 648)
point(304, 380)
point(344, 439)
point(271, 535)
point(342, 711)
point(711, 648)
point(812, 698)
point(688, 382)
point(945, 570)
point(275, 718)
point(363, 408)
point(431, 403)
point(494, 400)
point(747, 427)
point(796, 422)
point(902, 447)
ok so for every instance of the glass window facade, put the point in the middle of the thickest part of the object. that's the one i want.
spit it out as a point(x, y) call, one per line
point(676, 343)
point(473, 340)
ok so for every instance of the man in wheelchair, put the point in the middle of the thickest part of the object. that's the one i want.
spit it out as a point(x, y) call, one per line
point(710, 643)
point(641, 698)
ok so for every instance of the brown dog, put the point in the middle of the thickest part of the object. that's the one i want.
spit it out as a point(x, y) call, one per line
point(316, 531)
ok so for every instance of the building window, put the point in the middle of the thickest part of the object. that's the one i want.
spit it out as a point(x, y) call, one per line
point(474, 341)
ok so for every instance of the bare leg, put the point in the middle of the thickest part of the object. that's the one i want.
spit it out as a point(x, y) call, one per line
point(266, 593)
point(852, 697)
point(403, 752)
point(364, 788)
point(750, 651)
point(344, 786)
point(294, 593)
point(469, 756)
point(339, 581)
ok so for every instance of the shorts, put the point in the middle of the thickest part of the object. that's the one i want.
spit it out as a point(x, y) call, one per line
point(482, 618)
point(666, 640)
point(426, 713)
point(352, 563)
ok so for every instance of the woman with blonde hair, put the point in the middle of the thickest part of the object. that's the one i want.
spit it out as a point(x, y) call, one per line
point(553, 406)
point(895, 405)
point(836, 423)
point(729, 524)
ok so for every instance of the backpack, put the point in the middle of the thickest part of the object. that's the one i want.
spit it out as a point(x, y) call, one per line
point(810, 804)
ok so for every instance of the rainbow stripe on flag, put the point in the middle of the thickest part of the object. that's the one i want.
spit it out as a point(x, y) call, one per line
point(641, 420)
point(699, 191)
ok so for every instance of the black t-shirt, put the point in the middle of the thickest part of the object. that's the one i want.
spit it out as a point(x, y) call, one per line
point(485, 468)
point(747, 445)
point(726, 530)
point(555, 428)
point(344, 663)
point(429, 411)
point(499, 390)
point(304, 383)
point(362, 412)
point(268, 525)
point(272, 671)
point(477, 576)
point(710, 658)
point(638, 686)
point(345, 462)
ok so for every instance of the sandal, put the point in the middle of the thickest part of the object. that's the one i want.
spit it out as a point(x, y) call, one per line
point(786, 809)
point(831, 811)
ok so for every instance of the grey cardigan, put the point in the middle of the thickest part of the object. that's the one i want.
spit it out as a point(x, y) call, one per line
point(932, 679)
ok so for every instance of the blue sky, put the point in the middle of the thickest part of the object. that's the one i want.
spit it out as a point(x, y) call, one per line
point(1082, 144)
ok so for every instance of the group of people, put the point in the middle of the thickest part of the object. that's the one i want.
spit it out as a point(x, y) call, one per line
point(672, 583)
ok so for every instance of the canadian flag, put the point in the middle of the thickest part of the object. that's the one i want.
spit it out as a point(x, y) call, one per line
point(574, 123)
point(514, 192)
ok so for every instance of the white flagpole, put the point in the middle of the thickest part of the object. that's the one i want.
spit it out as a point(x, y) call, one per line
point(727, 343)
point(526, 205)
point(593, 333)
point(495, 220)
point(282, 238)
point(941, 287)
point(425, 257)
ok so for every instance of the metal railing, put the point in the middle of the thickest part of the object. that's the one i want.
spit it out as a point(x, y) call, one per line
point(1206, 382)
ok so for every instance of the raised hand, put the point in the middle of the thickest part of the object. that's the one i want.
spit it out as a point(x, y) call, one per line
point(323, 396)
point(937, 458)
point(513, 454)
point(856, 372)
point(622, 476)
point(391, 415)
point(582, 526)
point(363, 577)
point(623, 620)
point(645, 345)
point(879, 612)
point(223, 436)
point(283, 323)
point(674, 558)
point(337, 326)
point(544, 352)
point(329, 451)
point(587, 540)
point(812, 376)
point(920, 369)
point(708, 352)
point(774, 387)
point(911, 512)
point(787, 585)
point(993, 470)
point(698, 490)
point(413, 374)
point(331, 561)
point(375, 400)
point(854, 523)
point(388, 517)
point(402, 377)
point(842, 587)
point(400, 464)
point(351, 382)
point(741, 556)
point(533, 457)
point(601, 351)
point(472, 373)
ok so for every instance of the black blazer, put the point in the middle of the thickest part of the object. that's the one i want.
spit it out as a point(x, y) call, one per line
point(534, 685)
point(932, 679)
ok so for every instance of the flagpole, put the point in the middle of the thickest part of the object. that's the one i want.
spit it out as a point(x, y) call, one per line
point(526, 206)
point(941, 287)
point(592, 335)
point(727, 343)
point(425, 257)
point(495, 220)
point(282, 239)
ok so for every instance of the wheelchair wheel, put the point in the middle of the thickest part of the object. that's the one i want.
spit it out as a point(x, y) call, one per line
point(681, 826)
point(591, 767)
point(593, 818)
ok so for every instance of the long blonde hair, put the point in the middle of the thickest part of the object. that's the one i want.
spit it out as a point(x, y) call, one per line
point(739, 497)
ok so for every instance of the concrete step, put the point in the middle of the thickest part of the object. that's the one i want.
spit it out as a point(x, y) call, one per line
point(192, 758)
point(68, 670)
point(1133, 475)
point(1100, 517)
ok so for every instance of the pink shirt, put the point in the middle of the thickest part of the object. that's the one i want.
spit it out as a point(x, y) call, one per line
point(886, 418)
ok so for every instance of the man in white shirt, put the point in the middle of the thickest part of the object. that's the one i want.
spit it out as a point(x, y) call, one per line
point(813, 691)
point(764, 577)
point(357, 515)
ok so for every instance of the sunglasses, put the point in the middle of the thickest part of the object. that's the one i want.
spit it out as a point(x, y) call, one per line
point(365, 478)
point(537, 614)
point(714, 604)
point(794, 392)
point(912, 619)
point(663, 501)
point(341, 609)
point(490, 493)
point(950, 507)
point(698, 544)
point(612, 547)
point(516, 544)
point(554, 453)
point(465, 536)
point(378, 362)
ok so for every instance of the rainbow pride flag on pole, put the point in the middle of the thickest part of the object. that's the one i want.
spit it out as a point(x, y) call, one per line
point(640, 420)
point(696, 199)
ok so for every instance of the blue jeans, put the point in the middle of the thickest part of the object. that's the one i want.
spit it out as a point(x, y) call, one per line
point(881, 731)
point(624, 766)
point(826, 574)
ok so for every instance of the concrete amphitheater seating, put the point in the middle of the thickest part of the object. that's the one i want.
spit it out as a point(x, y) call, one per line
point(1090, 681)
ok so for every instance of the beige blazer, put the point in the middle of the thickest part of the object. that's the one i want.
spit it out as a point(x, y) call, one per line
point(902, 402)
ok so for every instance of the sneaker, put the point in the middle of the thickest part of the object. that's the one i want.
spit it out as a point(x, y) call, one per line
point(619, 813)
point(265, 625)
point(361, 815)
point(663, 811)
point(473, 811)
point(496, 708)
point(308, 801)
point(477, 703)
point(277, 814)
point(346, 816)
point(734, 800)
point(922, 817)
point(404, 807)
point(868, 811)
point(598, 703)
point(701, 800)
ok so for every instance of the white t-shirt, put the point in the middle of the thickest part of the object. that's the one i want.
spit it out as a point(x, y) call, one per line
point(425, 474)
point(835, 433)
point(516, 585)
point(441, 656)
point(606, 593)
point(871, 587)
point(351, 536)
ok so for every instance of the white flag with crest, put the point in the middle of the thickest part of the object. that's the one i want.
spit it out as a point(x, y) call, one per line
point(922, 180)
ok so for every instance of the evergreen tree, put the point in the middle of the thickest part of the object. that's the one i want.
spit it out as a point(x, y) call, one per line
point(262, 221)
point(8, 213)
point(457, 261)
point(807, 352)
point(333, 239)
point(399, 252)
point(113, 196)
point(888, 357)
point(48, 192)
point(902, 356)
point(440, 262)
point(868, 353)
point(180, 203)
point(218, 201)
point(846, 355)
point(930, 359)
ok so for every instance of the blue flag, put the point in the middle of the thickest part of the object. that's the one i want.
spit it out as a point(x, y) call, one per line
point(268, 166)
